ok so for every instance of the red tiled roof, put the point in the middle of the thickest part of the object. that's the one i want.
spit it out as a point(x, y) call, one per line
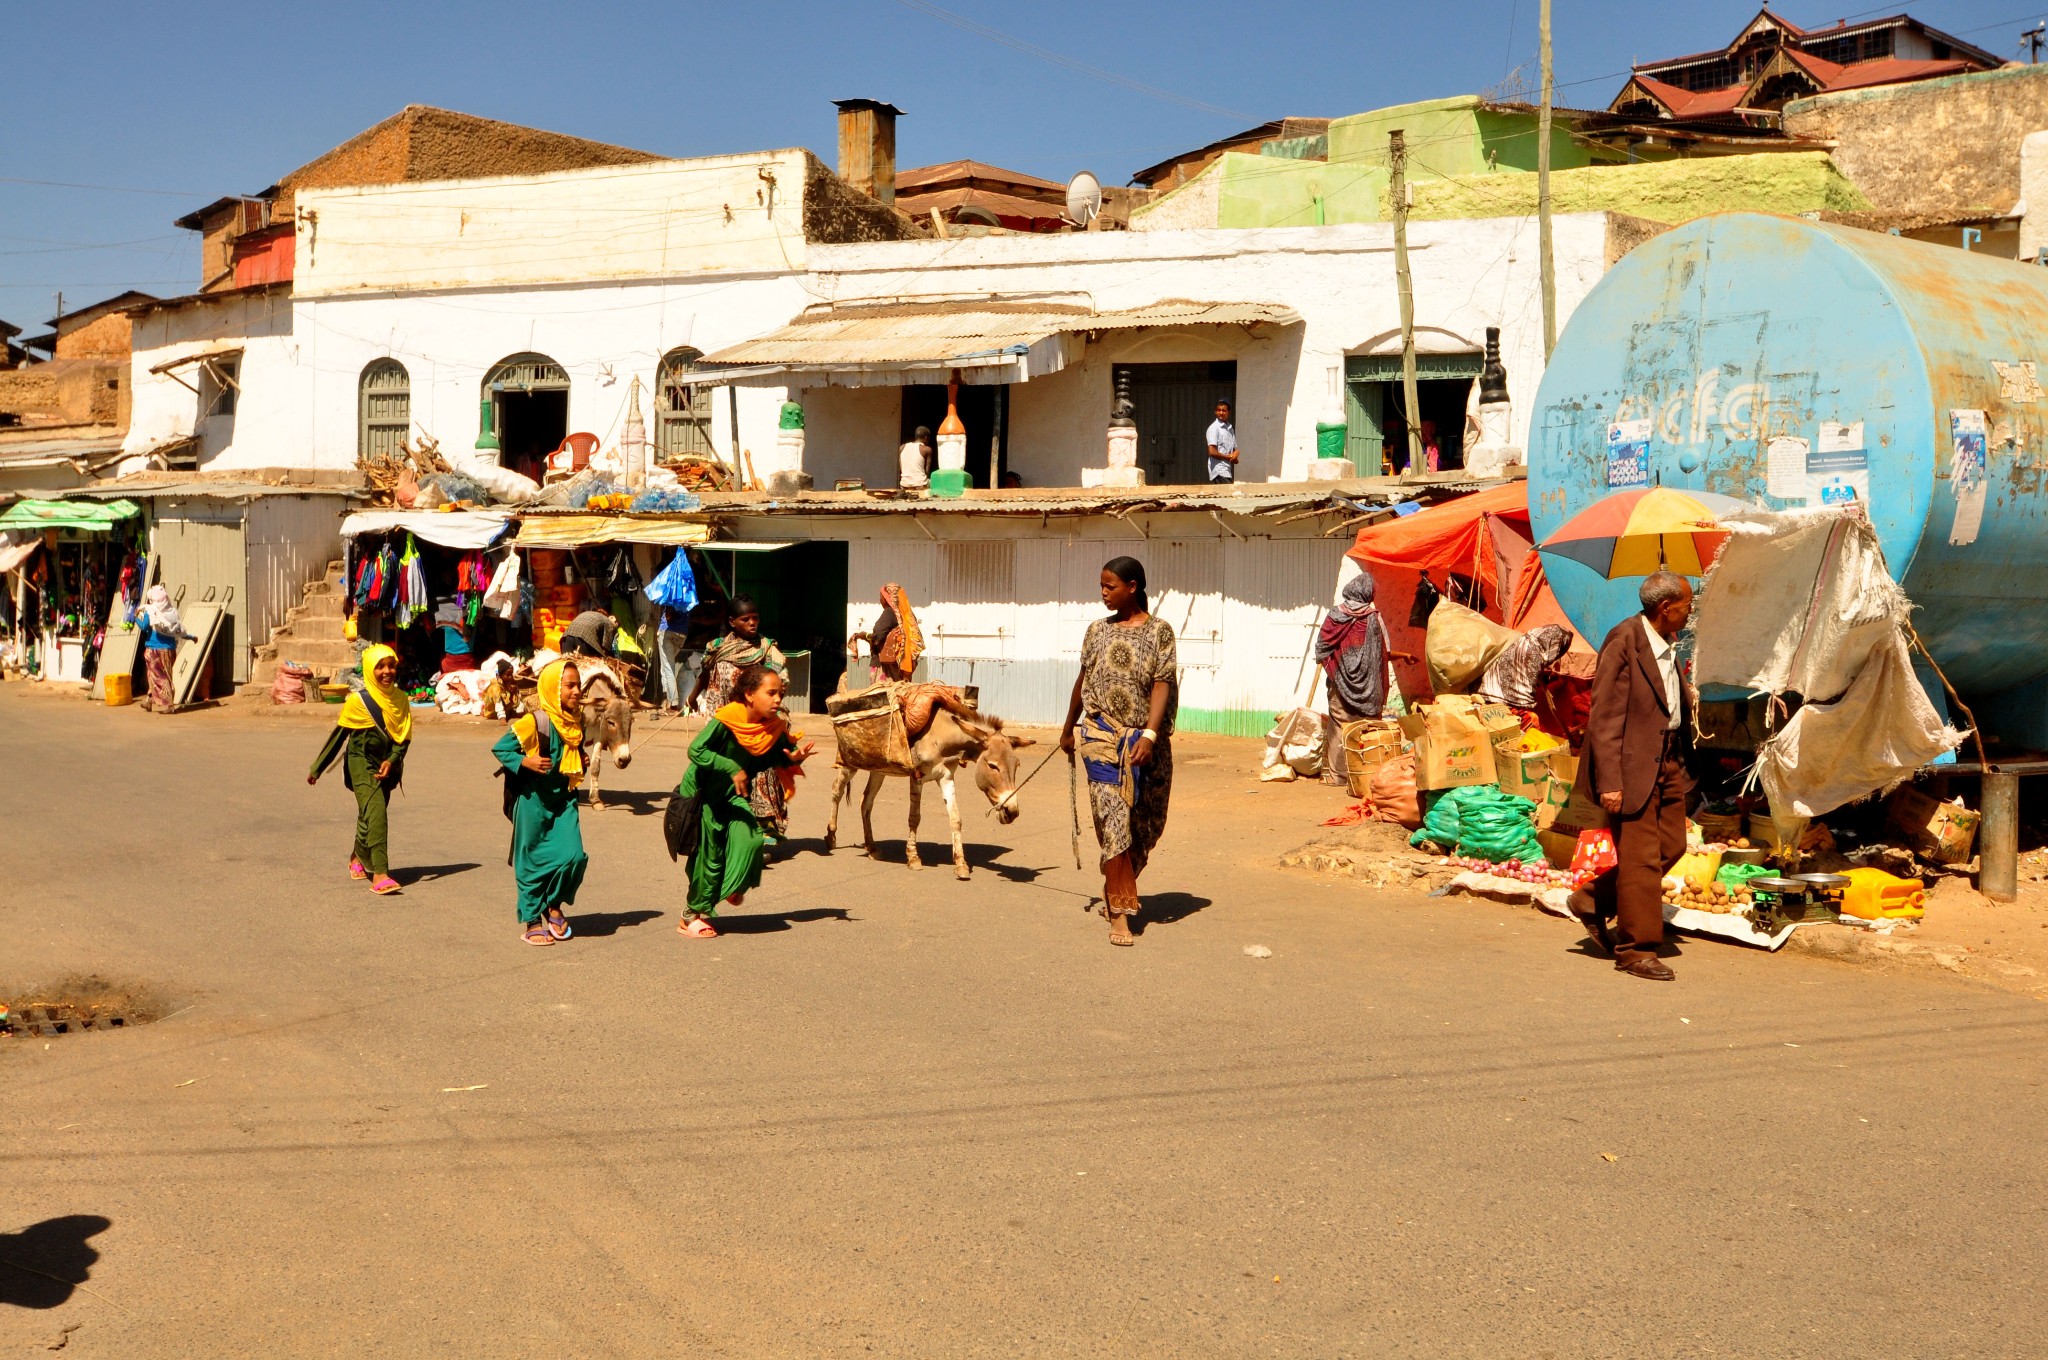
point(1892, 70)
point(1008, 209)
point(965, 170)
point(1693, 103)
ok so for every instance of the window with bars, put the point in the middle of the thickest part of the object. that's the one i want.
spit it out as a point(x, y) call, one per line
point(682, 408)
point(386, 409)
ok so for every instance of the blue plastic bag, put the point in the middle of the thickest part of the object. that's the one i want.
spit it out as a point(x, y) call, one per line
point(676, 585)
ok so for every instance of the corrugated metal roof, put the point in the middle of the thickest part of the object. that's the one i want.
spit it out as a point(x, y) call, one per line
point(224, 489)
point(48, 452)
point(936, 335)
point(1358, 496)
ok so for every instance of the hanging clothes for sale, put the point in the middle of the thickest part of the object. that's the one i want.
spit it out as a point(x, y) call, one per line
point(502, 594)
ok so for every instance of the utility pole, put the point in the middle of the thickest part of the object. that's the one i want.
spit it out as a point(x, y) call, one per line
point(1397, 191)
point(2031, 41)
point(1546, 264)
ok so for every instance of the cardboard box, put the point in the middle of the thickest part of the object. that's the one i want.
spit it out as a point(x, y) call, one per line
point(1525, 774)
point(1558, 847)
point(1567, 808)
point(1931, 829)
point(1452, 746)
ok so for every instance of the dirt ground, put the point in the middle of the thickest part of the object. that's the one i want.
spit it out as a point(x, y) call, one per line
point(888, 1113)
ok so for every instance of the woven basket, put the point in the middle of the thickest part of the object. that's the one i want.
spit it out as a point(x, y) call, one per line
point(1367, 746)
point(869, 730)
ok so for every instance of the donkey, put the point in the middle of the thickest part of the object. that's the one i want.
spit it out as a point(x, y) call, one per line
point(607, 720)
point(949, 744)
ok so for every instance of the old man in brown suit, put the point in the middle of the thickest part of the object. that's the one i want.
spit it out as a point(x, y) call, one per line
point(1635, 742)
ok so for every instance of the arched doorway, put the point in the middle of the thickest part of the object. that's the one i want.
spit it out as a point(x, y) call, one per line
point(682, 408)
point(529, 396)
point(384, 412)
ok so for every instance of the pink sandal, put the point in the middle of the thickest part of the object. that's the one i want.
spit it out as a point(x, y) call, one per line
point(357, 871)
point(697, 928)
point(384, 884)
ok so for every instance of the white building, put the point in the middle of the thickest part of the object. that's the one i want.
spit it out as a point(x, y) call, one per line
point(1037, 326)
point(528, 301)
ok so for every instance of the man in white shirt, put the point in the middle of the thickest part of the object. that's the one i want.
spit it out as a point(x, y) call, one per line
point(914, 460)
point(1222, 446)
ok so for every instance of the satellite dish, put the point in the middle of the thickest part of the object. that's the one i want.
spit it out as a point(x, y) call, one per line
point(1084, 198)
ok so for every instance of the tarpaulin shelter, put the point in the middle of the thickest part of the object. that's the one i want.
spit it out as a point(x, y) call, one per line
point(1483, 538)
point(88, 516)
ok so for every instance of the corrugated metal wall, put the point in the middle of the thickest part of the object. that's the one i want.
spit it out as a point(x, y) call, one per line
point(290, 541)
point(200, 547)
point(1009, 615)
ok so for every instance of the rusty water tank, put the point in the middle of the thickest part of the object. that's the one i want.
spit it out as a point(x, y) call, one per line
point(1794, 363)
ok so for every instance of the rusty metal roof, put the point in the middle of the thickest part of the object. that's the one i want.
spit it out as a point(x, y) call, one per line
point(893, 343)
point(1355, 496)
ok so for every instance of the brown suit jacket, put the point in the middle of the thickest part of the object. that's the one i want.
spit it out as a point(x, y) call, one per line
point(1625, 729)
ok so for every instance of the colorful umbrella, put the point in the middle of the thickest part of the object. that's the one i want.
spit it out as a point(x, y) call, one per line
point(1633, 533)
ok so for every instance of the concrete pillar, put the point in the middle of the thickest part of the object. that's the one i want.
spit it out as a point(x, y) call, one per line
point(1998, 838)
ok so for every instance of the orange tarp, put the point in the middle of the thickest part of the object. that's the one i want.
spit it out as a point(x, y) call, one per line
point(1464, 537)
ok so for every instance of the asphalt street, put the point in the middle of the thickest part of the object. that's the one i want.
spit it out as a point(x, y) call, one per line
point(888, 1113)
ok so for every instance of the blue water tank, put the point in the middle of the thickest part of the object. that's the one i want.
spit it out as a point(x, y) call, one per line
point(1792, 363)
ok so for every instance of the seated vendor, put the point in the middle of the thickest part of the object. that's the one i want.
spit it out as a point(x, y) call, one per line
point(456, 652)
point(501, 696)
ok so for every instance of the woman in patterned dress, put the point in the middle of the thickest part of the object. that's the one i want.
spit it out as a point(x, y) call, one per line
point(1120, 723)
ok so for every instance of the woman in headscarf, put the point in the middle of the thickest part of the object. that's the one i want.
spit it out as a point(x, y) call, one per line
point(1120, 723)
point(371, 737)
point(161, 629)
point(1353, 649)
point(741, 647)
point(742, 771)
point(896, 641)
point(1515, 677)
point(542, 756)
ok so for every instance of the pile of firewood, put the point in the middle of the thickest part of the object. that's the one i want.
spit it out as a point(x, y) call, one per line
point(701, 474)
point(387, 473)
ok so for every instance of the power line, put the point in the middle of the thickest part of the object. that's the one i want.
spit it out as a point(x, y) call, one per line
point(925, 7)
point(103, 188)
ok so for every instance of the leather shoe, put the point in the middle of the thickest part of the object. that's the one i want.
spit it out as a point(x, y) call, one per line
point(1597, 932)
point(1653, 970)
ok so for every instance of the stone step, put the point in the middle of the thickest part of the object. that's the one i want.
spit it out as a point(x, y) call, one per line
point(322, 654)
point(313, 628)
point(320, 607)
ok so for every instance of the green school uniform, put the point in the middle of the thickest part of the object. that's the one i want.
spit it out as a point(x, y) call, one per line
point(732, 843)
point(547, 831)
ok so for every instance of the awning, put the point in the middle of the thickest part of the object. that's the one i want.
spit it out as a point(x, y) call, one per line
point(17, 546)
point(749, 546)
point(93, 516)
point(581, 531)
point(461, 529)
point(895, 345)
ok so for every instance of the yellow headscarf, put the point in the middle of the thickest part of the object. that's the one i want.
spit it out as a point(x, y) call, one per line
point(567, 723)
point(394, 703)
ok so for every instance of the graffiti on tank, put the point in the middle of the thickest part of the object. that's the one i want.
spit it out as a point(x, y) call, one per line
point(1741, 414)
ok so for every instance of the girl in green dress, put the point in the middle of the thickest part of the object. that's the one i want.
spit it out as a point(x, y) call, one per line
point(543, 758)
point(370, 738)
point(743, 768)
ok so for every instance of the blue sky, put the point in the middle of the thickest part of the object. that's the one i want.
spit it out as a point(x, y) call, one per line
point(192, 103)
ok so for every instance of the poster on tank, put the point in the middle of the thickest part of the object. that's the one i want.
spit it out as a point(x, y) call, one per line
point(1785, 467)
point(1628, 453)
point(1838, 469)
point(1967, 477)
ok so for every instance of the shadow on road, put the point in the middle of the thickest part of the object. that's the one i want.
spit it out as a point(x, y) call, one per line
point(42, 1265)
point(427, 873)
point(626, 800)
point(768, 922)
point(1163, 909)
point(599, 924)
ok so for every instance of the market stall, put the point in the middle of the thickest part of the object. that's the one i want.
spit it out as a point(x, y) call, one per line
point(439, 587)
point(64, 595)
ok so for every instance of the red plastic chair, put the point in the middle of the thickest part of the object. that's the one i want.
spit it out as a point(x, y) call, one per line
point(579, 446)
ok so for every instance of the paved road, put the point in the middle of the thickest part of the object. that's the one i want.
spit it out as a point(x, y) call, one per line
point(889, 1114)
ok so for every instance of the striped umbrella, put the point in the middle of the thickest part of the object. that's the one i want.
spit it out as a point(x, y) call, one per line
point(1636, 532)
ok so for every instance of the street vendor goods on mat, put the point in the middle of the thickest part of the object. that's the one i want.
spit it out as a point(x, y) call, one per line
point(542, 756)
point(370, 737)
point(729, 807)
